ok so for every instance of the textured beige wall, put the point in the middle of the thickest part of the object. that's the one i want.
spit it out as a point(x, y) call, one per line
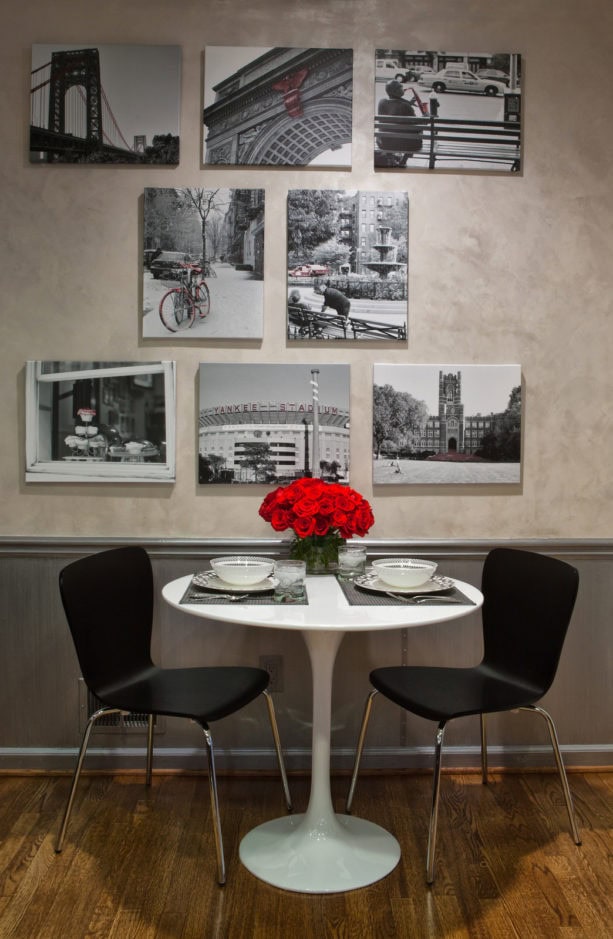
point(502, 269)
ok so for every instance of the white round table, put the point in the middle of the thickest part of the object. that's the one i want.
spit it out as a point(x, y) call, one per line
point(321, 851)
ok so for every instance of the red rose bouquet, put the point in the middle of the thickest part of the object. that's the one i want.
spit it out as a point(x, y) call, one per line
point(321, 515)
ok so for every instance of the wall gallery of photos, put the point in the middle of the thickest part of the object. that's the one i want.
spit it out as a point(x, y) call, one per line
point(347, 265)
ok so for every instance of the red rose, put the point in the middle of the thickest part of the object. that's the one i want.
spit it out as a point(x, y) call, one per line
point(363, 518)
point(339, 518)
point(269, 503)
point(322, 525)
point(306, 507)
point(326, 504)
point(304, 527)
point(280, 519)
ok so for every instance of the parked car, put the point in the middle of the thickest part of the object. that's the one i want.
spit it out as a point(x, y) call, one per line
point(415, 72)
point(494, 73)
point(387, 69)
point(309, 270)
point(168, 264)
point(461, 79)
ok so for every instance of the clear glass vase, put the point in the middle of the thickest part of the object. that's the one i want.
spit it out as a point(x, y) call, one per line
point(319, 551)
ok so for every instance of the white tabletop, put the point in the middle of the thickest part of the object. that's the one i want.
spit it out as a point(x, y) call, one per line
point(327, 609)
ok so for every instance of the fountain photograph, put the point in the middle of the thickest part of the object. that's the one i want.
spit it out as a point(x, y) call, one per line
point(347, 265)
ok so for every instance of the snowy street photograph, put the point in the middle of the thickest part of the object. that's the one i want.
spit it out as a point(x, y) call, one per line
point(203, 263)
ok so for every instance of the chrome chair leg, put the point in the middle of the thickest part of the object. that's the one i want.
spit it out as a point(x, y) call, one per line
point(150, 723)
point(360, 747)
point(280, 760)
point(482, 718)
point(561, 771)
point(221, 866)
point(77, 773)
point(436, 786)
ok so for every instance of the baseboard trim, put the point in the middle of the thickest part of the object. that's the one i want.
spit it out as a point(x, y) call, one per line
point(123, 759)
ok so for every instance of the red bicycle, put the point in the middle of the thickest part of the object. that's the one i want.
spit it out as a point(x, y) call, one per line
point(180, 305)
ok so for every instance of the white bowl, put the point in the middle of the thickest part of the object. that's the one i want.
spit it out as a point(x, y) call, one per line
point(242, 570)
point(404, 572)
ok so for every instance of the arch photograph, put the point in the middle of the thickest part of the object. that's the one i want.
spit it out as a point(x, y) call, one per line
point(277, 106)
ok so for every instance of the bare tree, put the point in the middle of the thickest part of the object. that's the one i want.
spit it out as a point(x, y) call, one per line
point(203, 201)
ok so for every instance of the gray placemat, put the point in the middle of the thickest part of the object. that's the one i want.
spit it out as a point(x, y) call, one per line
point(356, 596)
point(201, 595)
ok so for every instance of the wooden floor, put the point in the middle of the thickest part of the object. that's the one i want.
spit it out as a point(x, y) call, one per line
point(139, 863)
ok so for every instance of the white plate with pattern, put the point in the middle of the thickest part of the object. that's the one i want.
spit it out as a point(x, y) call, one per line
point(372, 581)
point(208, 580)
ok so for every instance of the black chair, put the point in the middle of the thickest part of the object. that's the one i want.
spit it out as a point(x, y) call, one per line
point(529, 600)
point(108, 599)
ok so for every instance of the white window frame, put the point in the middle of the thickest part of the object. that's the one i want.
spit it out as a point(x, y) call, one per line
point(44, 471)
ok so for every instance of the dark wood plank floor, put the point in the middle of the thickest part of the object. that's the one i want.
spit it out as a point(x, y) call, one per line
point(139, 863)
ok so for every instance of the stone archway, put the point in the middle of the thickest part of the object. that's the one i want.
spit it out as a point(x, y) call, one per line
point(291, 141)
point(283, 109)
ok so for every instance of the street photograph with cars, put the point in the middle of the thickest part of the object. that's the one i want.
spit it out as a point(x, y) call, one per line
point(203, 263)
point(347, 258)
point(447, 110)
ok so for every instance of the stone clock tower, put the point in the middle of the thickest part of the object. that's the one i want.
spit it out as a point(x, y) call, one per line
point(450, 412)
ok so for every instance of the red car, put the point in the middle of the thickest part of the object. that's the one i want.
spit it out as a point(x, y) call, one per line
point(310, 270)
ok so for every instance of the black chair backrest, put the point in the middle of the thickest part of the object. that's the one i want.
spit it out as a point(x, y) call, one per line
point(529, 600)
point(108, 600)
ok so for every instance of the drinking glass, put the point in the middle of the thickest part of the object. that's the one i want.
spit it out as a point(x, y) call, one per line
point(290, 575)
point(351, 561)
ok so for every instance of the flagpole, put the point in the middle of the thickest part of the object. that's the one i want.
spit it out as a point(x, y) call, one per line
point(315, 469)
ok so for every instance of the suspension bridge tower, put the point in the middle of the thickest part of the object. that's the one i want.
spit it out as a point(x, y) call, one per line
point(76, 67)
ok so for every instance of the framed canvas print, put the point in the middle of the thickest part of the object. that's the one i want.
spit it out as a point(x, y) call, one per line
point(100, 421)
point(347, 259)
point(270, 424)
point(203, 263)
point(105, 103)
point(448, 110)
point(447, 424)
point(277, 106)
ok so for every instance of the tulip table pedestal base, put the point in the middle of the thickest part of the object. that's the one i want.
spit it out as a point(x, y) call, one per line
point(340, 853)
point(320, 851)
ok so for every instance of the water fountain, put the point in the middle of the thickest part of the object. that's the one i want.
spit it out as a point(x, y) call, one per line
point(387, 262)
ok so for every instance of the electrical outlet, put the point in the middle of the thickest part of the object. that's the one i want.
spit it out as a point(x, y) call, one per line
point(274, 666)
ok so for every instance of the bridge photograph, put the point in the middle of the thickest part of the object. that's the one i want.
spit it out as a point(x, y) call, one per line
point(105, 104)
point(277, 106)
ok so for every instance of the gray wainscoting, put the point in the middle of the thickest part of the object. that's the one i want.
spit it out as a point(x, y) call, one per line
point(43, 704)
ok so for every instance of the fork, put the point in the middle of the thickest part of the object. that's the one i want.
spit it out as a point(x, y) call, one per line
point(229, 597)
point(423, 598)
